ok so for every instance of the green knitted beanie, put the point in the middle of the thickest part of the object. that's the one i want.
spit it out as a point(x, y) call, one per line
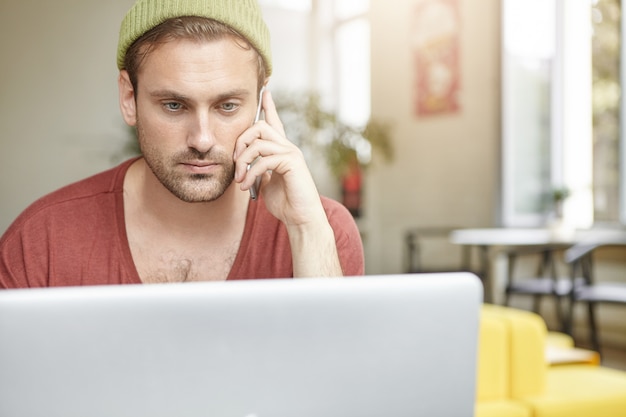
point(242, 15)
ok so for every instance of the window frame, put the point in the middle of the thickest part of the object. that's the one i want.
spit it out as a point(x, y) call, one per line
point(571, 131)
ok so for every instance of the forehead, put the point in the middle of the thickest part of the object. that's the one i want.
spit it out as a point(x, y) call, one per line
point(192, 63)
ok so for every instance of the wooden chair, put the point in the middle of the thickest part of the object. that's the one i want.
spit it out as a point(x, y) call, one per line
point(589, 290)
point(544, 282)
point(417, 241)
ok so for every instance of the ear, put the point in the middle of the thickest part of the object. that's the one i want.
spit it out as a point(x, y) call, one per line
point(128, 104)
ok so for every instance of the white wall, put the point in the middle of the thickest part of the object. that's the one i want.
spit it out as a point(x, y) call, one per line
point(59, 118)
point(446, 170)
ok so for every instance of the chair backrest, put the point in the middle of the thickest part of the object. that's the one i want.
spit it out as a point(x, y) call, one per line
point(525, 339)
point(589, 245)
point(580, 256)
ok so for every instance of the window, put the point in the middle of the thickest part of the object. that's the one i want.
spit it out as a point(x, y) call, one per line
point(529, 49)
point(352, 53)
point(606, 45)
point(561, 111)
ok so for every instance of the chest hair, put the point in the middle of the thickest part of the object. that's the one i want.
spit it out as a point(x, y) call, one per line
point(158, 265)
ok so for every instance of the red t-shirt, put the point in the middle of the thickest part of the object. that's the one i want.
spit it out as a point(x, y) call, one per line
point(77, 236)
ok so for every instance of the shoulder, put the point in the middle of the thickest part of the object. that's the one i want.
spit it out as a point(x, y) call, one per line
point(66, 233)
point(334, 208)
point(338, 215)
point(266, 248)
point(347, 237)
point(106, 182)
point(61, 204)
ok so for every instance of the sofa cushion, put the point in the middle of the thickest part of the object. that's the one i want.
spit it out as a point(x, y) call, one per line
point(527, 341)
point(581, 391)
point(559, 339)
point(502, 408)
point(493, 356)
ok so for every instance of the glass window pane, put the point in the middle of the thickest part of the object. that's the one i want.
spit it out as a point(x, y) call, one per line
point(345, 9)
point(530, 128)
point(529, 47)
point(353, 55)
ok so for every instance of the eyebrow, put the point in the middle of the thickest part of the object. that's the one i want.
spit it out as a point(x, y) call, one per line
point(177, 96)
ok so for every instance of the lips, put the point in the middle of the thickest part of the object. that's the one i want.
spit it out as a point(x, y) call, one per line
point(200, 167)
point(200, 163)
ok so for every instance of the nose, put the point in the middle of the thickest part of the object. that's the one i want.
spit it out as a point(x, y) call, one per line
point(200, 135)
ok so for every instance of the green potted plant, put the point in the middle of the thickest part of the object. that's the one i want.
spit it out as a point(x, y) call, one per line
point(346, 149)
point(559, 195)
point(559, 228)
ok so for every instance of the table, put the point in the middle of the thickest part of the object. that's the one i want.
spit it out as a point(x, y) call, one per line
point(491, 240)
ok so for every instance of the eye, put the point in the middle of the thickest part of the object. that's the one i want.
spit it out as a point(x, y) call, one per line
point(229, 107)
point(172, 106)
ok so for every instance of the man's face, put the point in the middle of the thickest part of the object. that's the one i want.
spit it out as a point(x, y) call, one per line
point(193, 100)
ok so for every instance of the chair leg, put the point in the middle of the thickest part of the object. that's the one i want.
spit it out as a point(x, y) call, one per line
point(411, 253)
point(560, 315)
point(509, 279)
point(569, 320)
point(537, 304)
point(543, 266)
point(556, 293)
point(593, 328)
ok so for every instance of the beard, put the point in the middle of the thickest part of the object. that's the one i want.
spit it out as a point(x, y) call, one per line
point(190, 188)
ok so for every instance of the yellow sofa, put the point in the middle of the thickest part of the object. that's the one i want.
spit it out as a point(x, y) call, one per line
point(514, 378)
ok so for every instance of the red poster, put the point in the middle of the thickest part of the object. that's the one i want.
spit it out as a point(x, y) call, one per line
point(436, 50)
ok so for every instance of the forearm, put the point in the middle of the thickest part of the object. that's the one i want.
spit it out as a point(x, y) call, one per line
point(314, 251)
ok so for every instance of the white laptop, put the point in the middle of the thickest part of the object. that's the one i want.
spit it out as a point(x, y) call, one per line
point(379, 346)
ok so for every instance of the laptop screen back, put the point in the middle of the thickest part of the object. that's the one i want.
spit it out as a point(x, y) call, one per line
point(370, 346)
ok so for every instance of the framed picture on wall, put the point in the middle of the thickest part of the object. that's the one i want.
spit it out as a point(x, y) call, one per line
point(436, 56)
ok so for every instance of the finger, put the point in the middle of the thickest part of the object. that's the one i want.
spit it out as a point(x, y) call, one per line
point(271, 114)
point(245, 140)
point(252, 175)
point(258, 151)
point(261, 132)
